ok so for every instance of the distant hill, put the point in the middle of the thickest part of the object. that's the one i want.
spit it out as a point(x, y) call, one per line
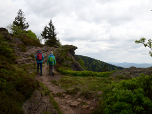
point(128, 65)
point(96, 65)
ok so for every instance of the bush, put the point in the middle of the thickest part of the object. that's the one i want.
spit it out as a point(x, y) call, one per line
point(84, 73)
point(4, 48)
point(132, 96)
point(31, 34)
point(16, 30)
point(15, 87)
point(27, 37)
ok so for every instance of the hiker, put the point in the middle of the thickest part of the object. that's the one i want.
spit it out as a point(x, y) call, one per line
point(39, 57)
point(51, 61)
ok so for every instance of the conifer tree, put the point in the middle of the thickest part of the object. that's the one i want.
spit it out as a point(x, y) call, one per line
point(20, 20)
point(105, 68)
point(49, 35)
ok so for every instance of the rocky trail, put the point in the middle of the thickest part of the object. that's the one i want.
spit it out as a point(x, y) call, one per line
point(69, 104)
point(39, 103)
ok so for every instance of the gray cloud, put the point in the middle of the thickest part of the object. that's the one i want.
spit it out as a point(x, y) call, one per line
point(102, 29)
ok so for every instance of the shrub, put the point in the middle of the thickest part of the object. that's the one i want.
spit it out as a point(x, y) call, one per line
point(31, 34)
point(132, 96)
point(84, 73)
point(4, 48)
point(16, 30)
point(15, 87)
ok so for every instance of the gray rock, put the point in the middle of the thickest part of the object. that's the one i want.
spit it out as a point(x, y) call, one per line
point(36, 105)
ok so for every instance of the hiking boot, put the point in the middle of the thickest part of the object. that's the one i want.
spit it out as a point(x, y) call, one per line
point(52, 74)
point(40, 74)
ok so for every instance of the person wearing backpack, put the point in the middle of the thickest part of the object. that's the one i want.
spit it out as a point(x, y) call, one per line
point(39, 57)
point(51, 61)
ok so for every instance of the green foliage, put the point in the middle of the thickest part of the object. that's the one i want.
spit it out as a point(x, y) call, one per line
point(149, 43)
point(55, 104)
point(49, 35)
point(84, 73)
point(105, 68)
point(20, 20)
point(73, 90)
point(27, 37)
point(31, 34)
point(132, 96)
point(16, 30)
point(15, 87)
point(46, 90)
point(96, 65)
point(4, 48)
point(82, 63)
point(29, 41)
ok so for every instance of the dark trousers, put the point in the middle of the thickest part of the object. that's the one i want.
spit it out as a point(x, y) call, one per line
point(39, 64)
point(51, 69)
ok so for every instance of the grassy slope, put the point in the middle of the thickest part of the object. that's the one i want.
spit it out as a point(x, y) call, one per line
point(121, 95)
point(16, 84)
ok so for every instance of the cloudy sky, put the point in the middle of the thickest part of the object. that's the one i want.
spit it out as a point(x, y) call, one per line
point(102, 29)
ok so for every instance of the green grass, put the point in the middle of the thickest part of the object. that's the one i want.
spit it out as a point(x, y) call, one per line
point(84, 73)
point(89, 86)
point(45, 91)
point(55, 104)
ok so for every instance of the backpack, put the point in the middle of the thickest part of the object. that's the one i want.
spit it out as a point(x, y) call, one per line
point(39, 56)
point(51, 59)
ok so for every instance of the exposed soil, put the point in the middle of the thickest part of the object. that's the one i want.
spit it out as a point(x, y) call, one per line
point(69, 104)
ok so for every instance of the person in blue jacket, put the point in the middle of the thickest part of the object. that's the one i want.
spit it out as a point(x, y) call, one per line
point(39, 62)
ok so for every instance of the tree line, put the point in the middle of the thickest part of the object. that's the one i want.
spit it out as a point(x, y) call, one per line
point(49, 34)
point(95, 65)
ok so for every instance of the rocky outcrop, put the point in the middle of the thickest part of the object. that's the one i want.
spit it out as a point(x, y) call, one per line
point(26, 57)
point(65, 57)
point(3, 30)
point(38, 104)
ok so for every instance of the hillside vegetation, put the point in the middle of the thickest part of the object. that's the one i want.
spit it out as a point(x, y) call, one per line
point(96, 65)
point(123, 91)
point(16, 84)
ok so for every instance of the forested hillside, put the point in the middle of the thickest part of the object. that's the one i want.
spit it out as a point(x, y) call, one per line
point(95, 65)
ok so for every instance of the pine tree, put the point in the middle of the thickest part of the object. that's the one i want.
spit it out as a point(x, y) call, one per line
point(49, 35)
point(105, 68)
point(20, 20)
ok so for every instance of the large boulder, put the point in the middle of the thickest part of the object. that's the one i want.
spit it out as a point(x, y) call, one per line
point(3, 30)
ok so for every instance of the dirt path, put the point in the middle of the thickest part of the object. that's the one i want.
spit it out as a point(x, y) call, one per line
point(67, 103)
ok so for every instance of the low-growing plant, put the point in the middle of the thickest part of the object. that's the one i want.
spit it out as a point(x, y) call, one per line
point(54, 82)
point(55, 104)
point(84, 73)
point(73, 90)
point(31, 34)
point(87, 94)
point(59, 94)
point(132, 96)
point(46, 91)
point(15, 88)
